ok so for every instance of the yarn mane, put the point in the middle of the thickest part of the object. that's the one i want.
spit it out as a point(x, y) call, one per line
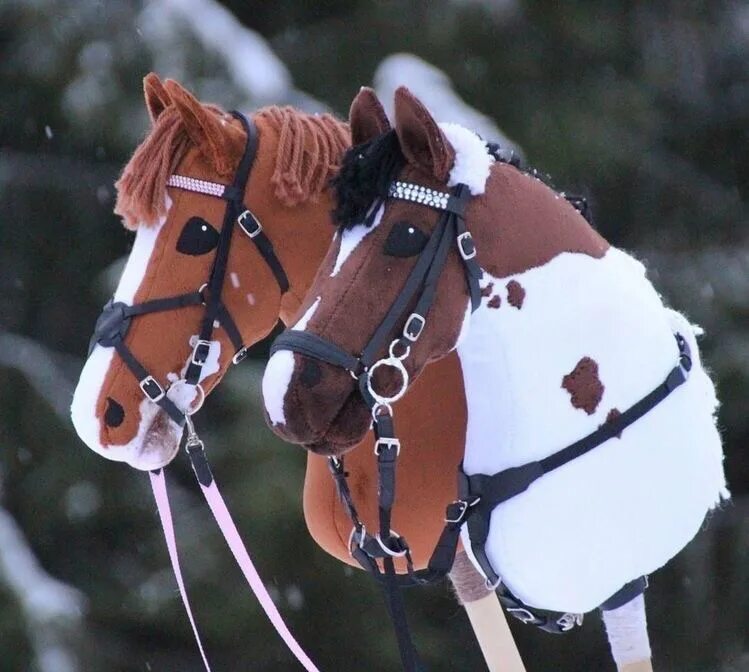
point(309, 153)
point(364, 177)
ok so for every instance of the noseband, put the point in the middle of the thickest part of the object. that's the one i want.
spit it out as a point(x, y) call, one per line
point(114, 321)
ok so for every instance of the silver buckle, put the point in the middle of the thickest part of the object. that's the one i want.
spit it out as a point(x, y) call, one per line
point(388, 443)
point(523, 615)
point(200, 344)
point(464, 506)
point(360, 544)
point(239, 355)
point(148, 381)
point(463, 509)
point(243, 217)
point(569, 621)
point(421, 321)
point(466, 235)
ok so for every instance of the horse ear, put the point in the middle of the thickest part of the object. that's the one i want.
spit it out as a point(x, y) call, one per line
point(157, 98)
point(205, 128)
point(422, 142)
point(367, 117)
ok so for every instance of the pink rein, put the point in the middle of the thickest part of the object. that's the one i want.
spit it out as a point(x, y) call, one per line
point(231, 535)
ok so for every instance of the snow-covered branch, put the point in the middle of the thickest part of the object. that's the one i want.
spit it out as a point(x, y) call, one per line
point(41, 368)
point(53, 610)
point(254, 68)
point(434, 88)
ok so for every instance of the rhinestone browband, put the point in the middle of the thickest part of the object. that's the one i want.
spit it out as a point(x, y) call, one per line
point(194, 184)
point(419, 194)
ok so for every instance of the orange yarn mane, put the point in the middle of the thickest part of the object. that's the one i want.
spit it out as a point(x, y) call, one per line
point(310, 149)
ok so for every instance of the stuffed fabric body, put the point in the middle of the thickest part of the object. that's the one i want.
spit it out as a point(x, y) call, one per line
point(533, 374)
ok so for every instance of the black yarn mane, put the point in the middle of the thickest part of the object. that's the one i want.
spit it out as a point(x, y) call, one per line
point(368, 169)
point(364, 177)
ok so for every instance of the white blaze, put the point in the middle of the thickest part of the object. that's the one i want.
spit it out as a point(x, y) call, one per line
point(83, 407)
point(278, 373)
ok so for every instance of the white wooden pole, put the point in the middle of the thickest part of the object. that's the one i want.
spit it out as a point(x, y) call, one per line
point(487, 618)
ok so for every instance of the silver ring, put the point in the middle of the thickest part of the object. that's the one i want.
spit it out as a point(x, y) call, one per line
point(396, 364)
point(197, 403)
point(392, 554)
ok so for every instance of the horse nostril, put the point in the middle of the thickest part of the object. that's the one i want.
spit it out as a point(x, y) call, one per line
point(114, 414)
point(311, 374)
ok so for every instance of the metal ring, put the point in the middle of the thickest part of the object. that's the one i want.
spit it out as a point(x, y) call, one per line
point(392, 554)
point(379, 406)
point(396, 364)
point(493, 586)
point(401, 357)
point(200, 291)
point(195, 404)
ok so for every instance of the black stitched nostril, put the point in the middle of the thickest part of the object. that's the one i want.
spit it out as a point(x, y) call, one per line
point(311, 374)
point(115, 414)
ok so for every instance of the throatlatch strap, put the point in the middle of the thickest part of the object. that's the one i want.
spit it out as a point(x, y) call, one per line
point(231, 535)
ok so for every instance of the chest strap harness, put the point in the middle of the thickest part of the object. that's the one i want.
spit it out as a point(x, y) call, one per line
point(478, 494)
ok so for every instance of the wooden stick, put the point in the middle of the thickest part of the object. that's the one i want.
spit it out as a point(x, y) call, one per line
point(640, 666)
point(487, 618)
point(494, 636)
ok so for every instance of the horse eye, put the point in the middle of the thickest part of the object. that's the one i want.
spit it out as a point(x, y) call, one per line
point(405, 240)
point(197, 237)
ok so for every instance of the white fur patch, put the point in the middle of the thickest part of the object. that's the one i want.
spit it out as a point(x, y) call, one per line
point(83, 407)
point(627, 507)
point(276, 379)
point(303, 321)
point(279, 371)
point(350, 238)
point(472, 159)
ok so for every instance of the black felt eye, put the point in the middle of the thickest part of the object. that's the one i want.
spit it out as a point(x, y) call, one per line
point(405, 240)
point(198, 237)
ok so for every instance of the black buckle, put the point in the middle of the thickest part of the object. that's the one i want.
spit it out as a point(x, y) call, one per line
point(152, 389)
point(200, 352)
point(466, 246)
point(254, 228)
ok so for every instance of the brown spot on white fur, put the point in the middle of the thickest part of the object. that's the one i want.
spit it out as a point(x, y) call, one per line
point(495, 301)
point(487, 291)
point(584, 386)
point(515, 294)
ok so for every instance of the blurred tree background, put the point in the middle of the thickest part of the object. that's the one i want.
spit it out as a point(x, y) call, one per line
point(642, 106)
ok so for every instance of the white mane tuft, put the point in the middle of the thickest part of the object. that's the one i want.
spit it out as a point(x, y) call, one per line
point(472, 158)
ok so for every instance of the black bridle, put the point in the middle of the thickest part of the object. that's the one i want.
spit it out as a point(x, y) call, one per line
point(113, 323)
point(420, 285)
point(478, 494)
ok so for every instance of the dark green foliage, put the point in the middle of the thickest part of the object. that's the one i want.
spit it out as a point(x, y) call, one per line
point(641, 106)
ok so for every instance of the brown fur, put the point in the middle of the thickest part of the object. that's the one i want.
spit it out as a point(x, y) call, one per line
point(584, 386)
point(309, 151)
point(301, 235)
point(515, 294)
point(518, 223)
